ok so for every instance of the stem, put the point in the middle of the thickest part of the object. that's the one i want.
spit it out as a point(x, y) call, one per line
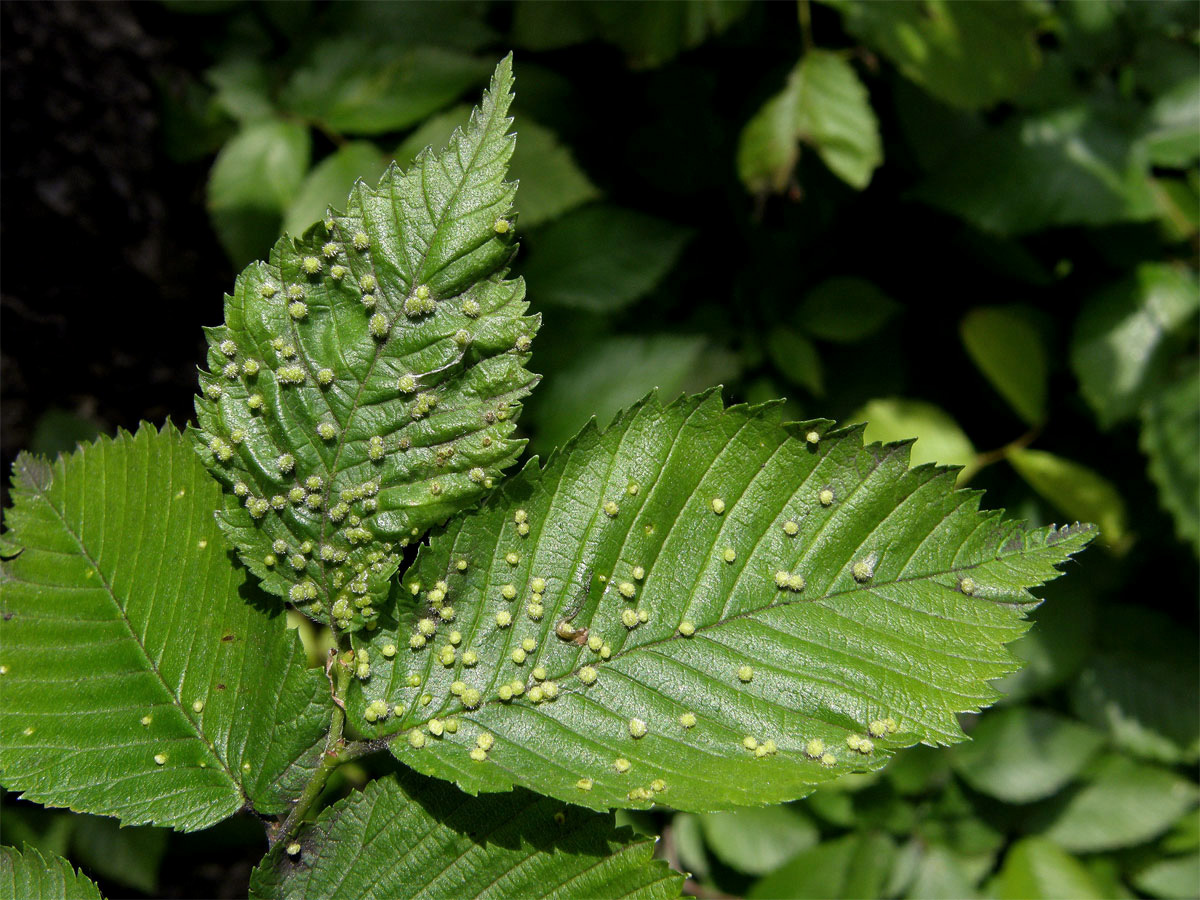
point(336, 753)
point(804, 13)
point(994, 456)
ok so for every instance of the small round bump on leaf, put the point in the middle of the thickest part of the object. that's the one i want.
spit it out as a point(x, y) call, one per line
point(825, 497)
point(718, 505)
point(745, 674)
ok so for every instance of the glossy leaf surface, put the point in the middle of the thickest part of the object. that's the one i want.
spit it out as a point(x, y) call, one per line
point(144, 676)
point(734, 658)
point(367, 378)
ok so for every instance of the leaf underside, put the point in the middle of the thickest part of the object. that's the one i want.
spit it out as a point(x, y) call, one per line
point(405, 836)
point(366, 381)
point(143, 676)
point(690, 513)
point(33, 875)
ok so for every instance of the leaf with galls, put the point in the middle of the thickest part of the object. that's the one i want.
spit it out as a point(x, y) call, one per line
point(736, 677)
point(393, 351)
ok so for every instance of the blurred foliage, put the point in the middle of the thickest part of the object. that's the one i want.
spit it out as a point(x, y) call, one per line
point(974, 224)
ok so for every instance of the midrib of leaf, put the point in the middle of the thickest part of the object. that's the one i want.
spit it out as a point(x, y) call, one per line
point(151, 663)
point(415, 239)
point(119, 605)
point(907, 643)
point(725, 617)
point(399, 317)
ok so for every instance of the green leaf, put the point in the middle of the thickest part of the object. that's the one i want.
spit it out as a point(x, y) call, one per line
point(1124, 337)
point(1036, 869)
point(823, 104)
point(853, 866)
point(242, 88)
point(940, 874)
point(939, 439)
point(688, 837)
point(1125, 803)
point(330, 181)
point(551, 181)
point(881, 629)
point(1077, 491)
point(197, 700)
point(614, 373)
point(1142, 686)
point(970, 55)
point(1172, 129)
point(601, 258)
point(1010, 352)
point(404, 836)
point(353, 87)
point(31, 875)
point(1170, 438)
point(1077, 165)
point(1019, 755)
point(342, 428)
point(128, 856)
point(845, 309)
point(758, 841)
point(254, 178)
point(650, 34)
point(1174, 879)
point(796, 358)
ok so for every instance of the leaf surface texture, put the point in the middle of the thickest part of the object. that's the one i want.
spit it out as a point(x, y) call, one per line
point(365, 383)
point(405, 836)
point(144, 675)
point(743, 685)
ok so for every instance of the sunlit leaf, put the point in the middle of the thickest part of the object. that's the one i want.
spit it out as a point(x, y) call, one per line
point(367, 378)
point(197, 700)
point(551, 181)
point(892, 599)
point(1077, 490)
point(1125, 334)
point(939, 438)
point(824, 105)
point(254, 179)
